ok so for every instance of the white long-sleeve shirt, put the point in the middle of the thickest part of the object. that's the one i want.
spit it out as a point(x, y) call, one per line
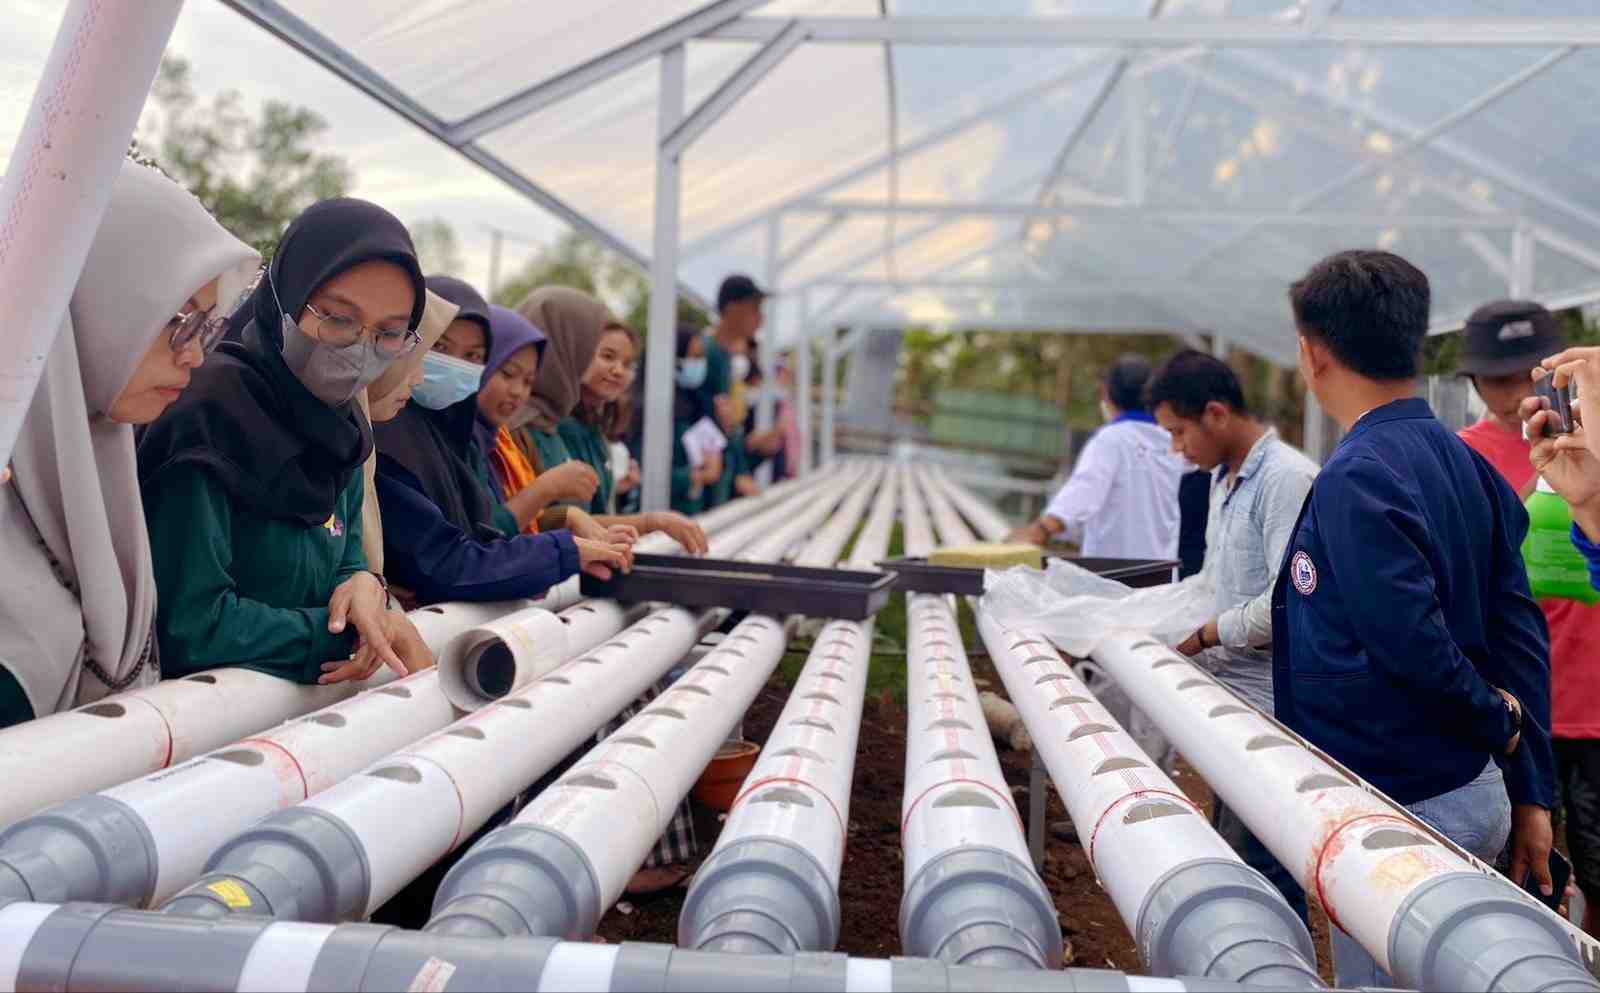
point(1121, 500)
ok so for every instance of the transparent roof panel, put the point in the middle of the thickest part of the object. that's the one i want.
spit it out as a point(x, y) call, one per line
point(1203, 177)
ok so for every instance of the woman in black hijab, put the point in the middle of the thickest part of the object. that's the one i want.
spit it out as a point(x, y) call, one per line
point(252, 479)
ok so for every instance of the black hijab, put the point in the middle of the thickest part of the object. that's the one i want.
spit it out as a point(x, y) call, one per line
point(275, 447)
point(435, 446)
point(688, 406)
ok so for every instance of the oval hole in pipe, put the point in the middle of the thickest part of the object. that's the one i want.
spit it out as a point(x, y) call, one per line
point(1018, 646)
point(433, 610)
point(1146, 643)
point(399, 691)
point(824, 697)
point(719, 670)
point(945, 675)
point(1151, 810)
point(1041, 658)
point(676, 715)
point(563, 680)
point(591, 781)
point(736, 653)
point(781, 794)
point(945, 695)
point(1117, 764)
point(692, 688)
point(1084, 730)
point(632, 739)
point(950, 724)
point(1067, 701)
point(590, 660)
point(204, 677)
point(748, 639)
point(804, 753)
point(1264, 741)
point(398, 773)
point(330, 720)
point(966, 798)
point(1190, 684)
point(471, 733)
point(1227, 709)
point(830, 675)
point(492, 671)
point(1051, 677)
point(517, 702)
point(1321, 781)
point(952, 754)
point(1392, 838)
point(1166, 662)
point(104, 710)
point(242, 756)
point(813, 722)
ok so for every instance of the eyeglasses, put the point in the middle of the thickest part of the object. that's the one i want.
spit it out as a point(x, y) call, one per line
point(341, 330)
point(205, 326)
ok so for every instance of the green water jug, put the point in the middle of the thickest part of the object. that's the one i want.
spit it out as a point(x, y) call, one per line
point(1555, 568)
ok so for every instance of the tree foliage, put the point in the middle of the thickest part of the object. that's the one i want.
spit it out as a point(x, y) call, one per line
point(255, 173)
point(438, 248)
point(580, 263)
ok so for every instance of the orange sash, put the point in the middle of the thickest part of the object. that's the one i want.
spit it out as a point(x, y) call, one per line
point(512, 469)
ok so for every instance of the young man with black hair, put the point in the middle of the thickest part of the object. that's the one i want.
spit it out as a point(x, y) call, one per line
point(1405, 641)
point(1121, 500)
point(1258, 485)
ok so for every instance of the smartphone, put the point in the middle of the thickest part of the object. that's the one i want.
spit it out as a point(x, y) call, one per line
point(1560, 404)
point(1560, 873)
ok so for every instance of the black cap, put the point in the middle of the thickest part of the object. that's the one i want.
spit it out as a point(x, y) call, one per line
point(736, 288)
point(1508, 336)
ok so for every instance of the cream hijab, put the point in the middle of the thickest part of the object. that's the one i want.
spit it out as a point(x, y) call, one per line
point(437, 314)
point(574, 322)
point(78, 594)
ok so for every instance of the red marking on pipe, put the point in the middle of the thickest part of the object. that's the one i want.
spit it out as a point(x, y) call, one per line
point(305, 790)
point(167, 760)
point(1010, 805)
point(461, 806)
point(1119, 801)
point(1331, 846)
point(789, 779)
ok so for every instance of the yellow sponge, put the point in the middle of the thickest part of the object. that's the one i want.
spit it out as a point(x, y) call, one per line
point(989, 556)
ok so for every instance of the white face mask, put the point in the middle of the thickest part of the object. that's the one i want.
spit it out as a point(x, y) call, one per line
point(741, 368)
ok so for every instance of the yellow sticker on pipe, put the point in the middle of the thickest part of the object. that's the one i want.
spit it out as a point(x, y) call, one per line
point(231, 894)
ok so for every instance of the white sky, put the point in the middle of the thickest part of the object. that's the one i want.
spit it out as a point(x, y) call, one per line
point(394, 164)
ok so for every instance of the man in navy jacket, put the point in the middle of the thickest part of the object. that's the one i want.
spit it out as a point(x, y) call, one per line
point(1406, 643)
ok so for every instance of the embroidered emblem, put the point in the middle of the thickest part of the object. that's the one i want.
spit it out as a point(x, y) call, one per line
point(1303, 573)
point(1512, 330)
point(334, 526)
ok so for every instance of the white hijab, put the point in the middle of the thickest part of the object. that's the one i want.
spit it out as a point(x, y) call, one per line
point(75, 472)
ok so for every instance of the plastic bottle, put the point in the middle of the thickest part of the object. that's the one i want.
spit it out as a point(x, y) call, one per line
point(1555, 568)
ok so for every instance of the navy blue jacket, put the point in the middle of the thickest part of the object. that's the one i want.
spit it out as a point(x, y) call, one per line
point(439, 562)
point(1401, 605)
point(1591, 554)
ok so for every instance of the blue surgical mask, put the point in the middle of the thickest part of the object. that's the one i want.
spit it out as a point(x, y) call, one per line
point(446, 381)
point(692, 373)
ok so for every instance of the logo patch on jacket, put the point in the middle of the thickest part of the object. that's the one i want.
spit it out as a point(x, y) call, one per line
point(1303, 573)
point(334, 526)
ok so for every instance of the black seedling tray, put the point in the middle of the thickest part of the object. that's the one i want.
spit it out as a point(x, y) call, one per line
point(756, 587)
point(917, 576)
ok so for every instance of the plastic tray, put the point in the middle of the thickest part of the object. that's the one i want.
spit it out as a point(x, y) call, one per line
point(915, 575)
point(757, 587)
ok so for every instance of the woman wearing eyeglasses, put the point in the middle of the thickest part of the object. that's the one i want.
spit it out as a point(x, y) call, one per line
point(252, 481)
point(77, 594)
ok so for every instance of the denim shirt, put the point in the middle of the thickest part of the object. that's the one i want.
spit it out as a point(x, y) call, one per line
point(1250, 522)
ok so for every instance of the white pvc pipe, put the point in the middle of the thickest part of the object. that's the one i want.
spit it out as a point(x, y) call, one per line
point(59, 180)
point(985, 519)
point(513, 651)
point(952, 529)
point(1363, 856)
point(917, 532)
point(442, 624)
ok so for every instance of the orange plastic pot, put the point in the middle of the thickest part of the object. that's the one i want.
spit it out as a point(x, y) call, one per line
point(718, 786)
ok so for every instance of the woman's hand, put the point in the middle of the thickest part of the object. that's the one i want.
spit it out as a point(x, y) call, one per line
point(362, 601)
point(571, 480)
point(746, 486)
point(398, 632)
point(1566, 461)
point(631, 480)
point(601, 559)
point(710, 470)
point(679, 528)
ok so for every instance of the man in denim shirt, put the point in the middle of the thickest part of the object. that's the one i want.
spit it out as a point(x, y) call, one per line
point(1258, 485)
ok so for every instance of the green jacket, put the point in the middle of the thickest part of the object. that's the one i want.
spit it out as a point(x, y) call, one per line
point(238, 589)
point(585, 443)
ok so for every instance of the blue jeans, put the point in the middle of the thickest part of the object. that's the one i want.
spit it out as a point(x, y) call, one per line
point(1477, 817)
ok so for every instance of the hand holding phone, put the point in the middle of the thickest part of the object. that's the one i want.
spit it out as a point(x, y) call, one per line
point(1560, 873)
point(1559, 402)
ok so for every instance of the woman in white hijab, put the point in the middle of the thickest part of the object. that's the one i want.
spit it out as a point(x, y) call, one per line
point(77, 595)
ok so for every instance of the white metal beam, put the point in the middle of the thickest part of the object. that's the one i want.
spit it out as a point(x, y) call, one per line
point(811, 241)
point(278, 21)
point(656, 463)
point(934, 138)
point(1248, 32)
point(1484, 249)
point(744, 78)
point(597, 70)
point(1520, 285)
point(1120, 213)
